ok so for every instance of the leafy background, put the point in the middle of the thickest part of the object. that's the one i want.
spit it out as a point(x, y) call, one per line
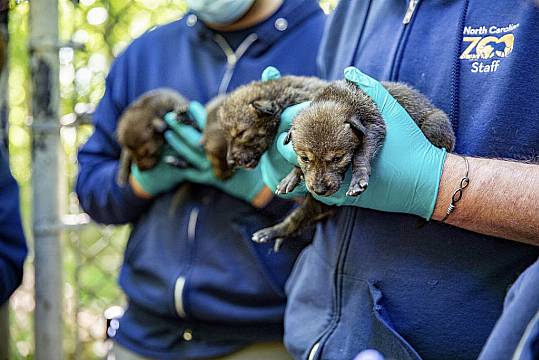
point(94, 32)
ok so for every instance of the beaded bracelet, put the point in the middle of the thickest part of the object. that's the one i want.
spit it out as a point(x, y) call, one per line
point(457, 195)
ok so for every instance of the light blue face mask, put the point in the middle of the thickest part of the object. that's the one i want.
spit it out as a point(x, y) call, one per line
point(220, 11)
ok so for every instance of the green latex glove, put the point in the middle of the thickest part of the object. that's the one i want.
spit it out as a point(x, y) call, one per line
point(184, 140)
point(278, 161)
point(405, 173)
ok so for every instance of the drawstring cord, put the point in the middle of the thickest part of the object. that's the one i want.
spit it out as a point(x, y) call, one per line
point(232, 57)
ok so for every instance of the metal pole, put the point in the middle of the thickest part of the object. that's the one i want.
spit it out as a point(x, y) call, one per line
point(45, 178)
point(4, 332)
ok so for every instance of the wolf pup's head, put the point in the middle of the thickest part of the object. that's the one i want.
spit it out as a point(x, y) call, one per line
point(249, 119)
point(325, 136)
point(141, 126)
point(139, 130)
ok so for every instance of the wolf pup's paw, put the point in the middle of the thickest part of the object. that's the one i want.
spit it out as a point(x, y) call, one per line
point(357, 188)
point(288, 184)
point(268, 234)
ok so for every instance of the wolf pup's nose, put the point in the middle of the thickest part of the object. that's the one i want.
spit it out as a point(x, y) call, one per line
point(320, 190)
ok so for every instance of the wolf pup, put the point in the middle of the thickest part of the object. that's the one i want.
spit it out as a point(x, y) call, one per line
point(343, 127)
point(141, 128)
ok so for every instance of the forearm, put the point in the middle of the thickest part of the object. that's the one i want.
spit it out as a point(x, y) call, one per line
point(103, 199)
point(502, 198)
point(262, 198)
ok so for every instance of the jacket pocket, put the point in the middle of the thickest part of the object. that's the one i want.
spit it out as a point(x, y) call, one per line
point(363, 323)
point(310, 304)
point(156, 255)
point(391, 342)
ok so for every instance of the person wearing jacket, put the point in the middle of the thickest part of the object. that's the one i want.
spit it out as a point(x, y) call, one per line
point(516, 334)
point(372, 278)
point(13, 249)
point(197, 286)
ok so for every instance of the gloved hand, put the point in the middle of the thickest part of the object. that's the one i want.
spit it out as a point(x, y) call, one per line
point(405, 173)
point(278, 160)
point(164, 176)
point(185, 140)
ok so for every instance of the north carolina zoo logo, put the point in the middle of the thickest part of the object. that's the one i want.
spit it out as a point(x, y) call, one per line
point(487, 51)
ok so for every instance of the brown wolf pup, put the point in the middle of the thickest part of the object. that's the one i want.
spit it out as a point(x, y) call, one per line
point(141, 127)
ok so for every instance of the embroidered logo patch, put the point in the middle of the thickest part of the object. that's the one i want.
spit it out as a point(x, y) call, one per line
point(487, 50)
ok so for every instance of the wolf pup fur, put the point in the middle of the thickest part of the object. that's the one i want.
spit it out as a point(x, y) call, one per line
point(141, 127)
point(343, 127)
point(249, 116)
point(214, 140)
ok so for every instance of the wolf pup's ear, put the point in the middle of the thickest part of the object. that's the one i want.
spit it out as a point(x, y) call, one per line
point(288, 137)
point(356, 124)
point(265, 107)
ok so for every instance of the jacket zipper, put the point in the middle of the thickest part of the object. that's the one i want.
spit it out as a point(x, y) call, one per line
point(341, 256)
point(347, 233)
point(412, 4)
point(407, 19)
point(179, 287)
point(314, 350)
point(232, 57)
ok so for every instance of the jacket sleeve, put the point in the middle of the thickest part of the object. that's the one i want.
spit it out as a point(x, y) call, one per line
point(12, 243)
point(99, 194)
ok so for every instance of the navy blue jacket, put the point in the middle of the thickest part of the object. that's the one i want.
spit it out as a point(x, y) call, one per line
point(516, 334)
point(373, 279)
point(192, 269)
point(12, 244)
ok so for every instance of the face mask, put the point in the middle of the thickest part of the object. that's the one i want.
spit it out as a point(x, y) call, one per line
point(220, 11)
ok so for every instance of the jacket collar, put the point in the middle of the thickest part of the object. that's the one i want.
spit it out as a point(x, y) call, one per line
point(289, 16)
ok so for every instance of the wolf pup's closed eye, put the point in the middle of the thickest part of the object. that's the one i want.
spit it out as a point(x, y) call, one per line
point(343, 127)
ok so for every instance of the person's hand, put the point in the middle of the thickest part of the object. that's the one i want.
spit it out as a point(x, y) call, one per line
point(405, 173)
point(184, 140)
point(164, 176)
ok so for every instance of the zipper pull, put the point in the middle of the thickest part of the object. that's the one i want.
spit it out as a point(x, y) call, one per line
point(412, 4)
point(314, 350)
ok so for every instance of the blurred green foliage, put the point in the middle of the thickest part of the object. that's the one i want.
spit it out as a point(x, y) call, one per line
point(94, 32)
